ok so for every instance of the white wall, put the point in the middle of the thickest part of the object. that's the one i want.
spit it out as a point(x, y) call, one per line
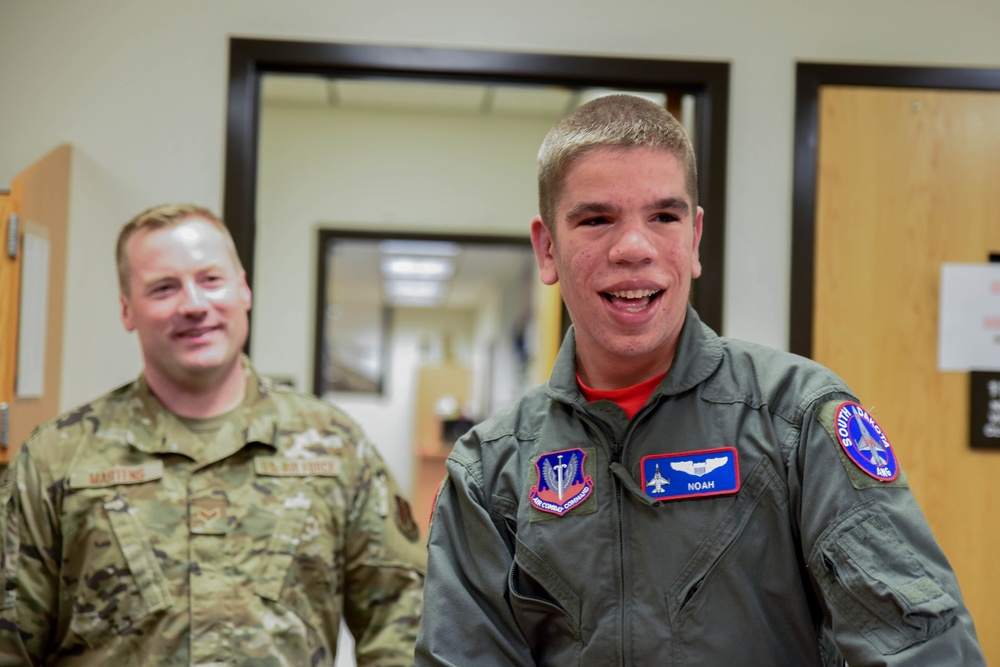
point(139, 90)
point(373, 171)
point(380, 170)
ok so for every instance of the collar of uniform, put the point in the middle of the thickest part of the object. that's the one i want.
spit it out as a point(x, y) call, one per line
point(699, 353)
point(154, 429)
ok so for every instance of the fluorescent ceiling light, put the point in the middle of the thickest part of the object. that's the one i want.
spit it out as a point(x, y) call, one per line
point(422, 268)
point(417, 289)
point(415, 292)
point(426, 248)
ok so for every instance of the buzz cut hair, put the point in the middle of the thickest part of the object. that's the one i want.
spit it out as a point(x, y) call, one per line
point(161, 217)
point(611, 121)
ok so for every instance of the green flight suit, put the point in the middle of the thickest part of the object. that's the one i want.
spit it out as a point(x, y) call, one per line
point(804, 560)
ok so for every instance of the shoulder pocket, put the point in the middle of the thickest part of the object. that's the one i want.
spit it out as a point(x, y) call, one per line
point(875, 582)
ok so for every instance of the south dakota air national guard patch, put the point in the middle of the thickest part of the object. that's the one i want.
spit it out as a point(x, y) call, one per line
point(864, 442)
point(709, 472)
point(562, 482)
point(861, 445)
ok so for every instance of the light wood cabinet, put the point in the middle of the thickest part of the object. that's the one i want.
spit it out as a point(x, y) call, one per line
point(429, 449)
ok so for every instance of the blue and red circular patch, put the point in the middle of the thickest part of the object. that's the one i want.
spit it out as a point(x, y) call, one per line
point(864, 442)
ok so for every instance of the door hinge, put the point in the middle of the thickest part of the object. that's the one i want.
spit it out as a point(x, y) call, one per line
point(12, 235)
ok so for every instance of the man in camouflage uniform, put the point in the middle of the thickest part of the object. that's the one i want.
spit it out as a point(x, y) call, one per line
point(202, 515)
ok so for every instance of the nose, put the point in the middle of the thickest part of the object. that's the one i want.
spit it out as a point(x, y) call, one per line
point(194, 301)
point(632, 244)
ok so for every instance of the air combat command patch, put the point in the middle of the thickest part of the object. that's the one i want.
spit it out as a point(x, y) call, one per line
point(562, 481)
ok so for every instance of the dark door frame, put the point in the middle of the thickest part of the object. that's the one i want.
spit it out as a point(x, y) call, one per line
point(809, 77)
point(251, 59)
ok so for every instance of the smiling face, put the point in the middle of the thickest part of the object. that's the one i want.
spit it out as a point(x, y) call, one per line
point(624, 249)
point(188, 302)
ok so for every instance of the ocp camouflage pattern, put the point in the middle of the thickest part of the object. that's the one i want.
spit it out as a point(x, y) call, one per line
point(128, 540)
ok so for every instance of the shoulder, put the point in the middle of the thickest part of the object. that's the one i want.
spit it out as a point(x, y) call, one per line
point(104, 412)
point(56, 443)
point(310, 417)
point(787, 384)
point(292, 402)
point(503, 435)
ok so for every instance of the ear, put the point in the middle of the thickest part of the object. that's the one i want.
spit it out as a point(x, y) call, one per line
point(126, 312)
point(695, 242)
point(544, 245)
point(244, 288)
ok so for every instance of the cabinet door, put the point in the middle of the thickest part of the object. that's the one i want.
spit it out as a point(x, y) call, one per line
point(40, 197)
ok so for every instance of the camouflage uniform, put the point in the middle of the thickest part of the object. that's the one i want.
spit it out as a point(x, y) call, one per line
point(128, 539)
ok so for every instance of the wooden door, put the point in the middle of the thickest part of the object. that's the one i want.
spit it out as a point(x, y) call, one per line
point(908, 179)
point(40, 197)
point(9, 282)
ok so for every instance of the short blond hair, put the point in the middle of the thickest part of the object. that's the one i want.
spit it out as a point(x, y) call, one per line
point(621, 121)
point(160, 217)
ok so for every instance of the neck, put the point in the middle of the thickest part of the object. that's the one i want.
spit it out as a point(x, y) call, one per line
point(203, 397)
point(622, 373)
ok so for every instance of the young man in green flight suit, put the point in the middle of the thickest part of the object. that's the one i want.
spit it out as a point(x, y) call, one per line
point(669, 496)
point(202, 515)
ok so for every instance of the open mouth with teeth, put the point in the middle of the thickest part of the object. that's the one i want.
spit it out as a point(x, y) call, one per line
point(633, 301)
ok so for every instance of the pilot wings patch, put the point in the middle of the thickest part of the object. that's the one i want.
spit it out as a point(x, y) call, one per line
point(710, 472)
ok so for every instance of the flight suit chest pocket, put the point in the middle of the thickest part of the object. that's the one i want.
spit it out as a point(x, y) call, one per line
point(115, 579)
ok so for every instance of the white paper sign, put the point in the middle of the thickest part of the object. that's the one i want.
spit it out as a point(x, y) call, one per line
point(969, 323)
point(34, 308)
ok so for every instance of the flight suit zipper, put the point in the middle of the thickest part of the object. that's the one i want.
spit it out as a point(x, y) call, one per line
point(617, 450)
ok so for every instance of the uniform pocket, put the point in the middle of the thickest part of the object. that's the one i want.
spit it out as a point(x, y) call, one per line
point(879, 585)
point(298, 570)
point(545, 608)
point(119, 581)
point(683, 593)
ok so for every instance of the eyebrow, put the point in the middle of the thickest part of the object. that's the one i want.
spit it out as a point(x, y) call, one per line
point(677, 204)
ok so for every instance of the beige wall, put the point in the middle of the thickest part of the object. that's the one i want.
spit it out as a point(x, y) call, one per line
point(139, 90)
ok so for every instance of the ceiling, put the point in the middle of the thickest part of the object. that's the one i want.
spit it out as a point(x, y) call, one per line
point(415, 96)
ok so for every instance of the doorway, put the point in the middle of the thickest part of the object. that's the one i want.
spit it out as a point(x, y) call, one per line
point(895, 175)
point(708, 82)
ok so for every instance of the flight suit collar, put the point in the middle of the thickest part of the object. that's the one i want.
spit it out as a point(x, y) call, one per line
point(699, 353)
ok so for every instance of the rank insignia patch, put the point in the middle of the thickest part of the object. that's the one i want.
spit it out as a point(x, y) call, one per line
point(562, 484)
point(864, 442)
point(709, 472)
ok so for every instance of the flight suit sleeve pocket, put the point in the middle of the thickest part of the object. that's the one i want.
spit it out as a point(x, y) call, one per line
point(122, 583)
point(875, 582)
